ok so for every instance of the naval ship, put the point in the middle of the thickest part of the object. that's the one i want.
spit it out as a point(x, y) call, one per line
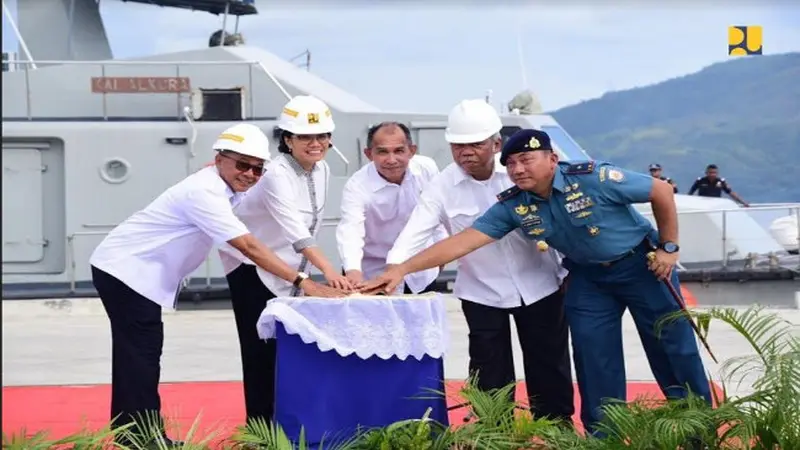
point(89, 139)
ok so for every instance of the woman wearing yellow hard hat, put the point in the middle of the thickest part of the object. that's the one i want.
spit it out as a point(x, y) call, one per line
point(284, 209)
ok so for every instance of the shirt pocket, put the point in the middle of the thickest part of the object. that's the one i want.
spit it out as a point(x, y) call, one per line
point(588, 218)
point(536, 226)
point(462, 216)
point(385, 206)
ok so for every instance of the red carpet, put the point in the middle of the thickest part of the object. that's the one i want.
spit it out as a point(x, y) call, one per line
point(68, 409)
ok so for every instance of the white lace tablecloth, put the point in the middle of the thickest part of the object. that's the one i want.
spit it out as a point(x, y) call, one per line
point(383, 326)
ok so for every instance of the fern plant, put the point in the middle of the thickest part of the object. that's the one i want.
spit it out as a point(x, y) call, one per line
point(768, 417)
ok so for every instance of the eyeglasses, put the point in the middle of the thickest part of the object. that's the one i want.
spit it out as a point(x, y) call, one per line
point(243, 167)
point(307, 138)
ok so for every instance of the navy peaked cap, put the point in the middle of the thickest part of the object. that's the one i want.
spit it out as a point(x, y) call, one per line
point(525, 141)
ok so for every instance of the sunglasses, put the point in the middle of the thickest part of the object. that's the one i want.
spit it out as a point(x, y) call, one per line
point(242, 166)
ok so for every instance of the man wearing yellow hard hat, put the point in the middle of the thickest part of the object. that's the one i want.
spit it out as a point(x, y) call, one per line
point(138, 268)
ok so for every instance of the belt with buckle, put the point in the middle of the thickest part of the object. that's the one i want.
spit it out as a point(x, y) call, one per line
point(643, 244)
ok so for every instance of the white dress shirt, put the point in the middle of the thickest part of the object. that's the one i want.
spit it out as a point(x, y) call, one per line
point(503, 274)
point(156, 248)
point(374, 212)
point(284, 211)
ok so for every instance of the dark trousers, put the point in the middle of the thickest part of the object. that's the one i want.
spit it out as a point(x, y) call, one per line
point(249, 297)
point(137, 339)
point(543, 336)
point(596, 299)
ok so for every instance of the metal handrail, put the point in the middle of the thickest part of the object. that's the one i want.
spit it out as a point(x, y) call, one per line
point(343, 158)
point(771, 207)
point(329, 222)
point(23, 45)
point(764, 207)
point(289, 97)
point(129, 62)
point(187, 113)
point(326, 222)
point(71, 254)
point(274, 80)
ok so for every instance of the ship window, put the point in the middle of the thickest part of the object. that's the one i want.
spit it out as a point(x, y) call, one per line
point(564, 142)
point(115, 170)
point(222, 105)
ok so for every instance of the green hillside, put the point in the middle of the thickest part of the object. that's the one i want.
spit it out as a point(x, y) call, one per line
point(743, 115)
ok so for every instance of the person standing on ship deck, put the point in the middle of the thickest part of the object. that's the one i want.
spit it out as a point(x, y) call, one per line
point(655, 172)
point(508, 278)
point(585, 211)
point(284, 210)
point(377, 202)
point(712, 186)
point(138, 268)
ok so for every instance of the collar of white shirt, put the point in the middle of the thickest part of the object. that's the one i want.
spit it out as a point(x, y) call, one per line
point(297, 167)
point(233, 196)
point(376, 182)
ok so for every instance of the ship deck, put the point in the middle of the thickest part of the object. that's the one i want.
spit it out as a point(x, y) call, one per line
point(60, 383)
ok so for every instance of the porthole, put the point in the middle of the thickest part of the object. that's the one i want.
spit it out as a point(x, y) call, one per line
point(115, 170)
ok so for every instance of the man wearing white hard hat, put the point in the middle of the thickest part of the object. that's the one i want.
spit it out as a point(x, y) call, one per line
point(138, 268)
point(284, 210)
point(507, 278)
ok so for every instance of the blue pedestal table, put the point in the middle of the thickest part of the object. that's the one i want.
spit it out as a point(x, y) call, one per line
point(359, 361)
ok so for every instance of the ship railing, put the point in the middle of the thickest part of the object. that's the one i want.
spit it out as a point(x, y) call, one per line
point(181, 113)
point(762, 214)
point(206, 267)
point(783, 208)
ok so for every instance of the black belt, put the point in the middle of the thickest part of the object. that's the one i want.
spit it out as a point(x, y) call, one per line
point(644, 245)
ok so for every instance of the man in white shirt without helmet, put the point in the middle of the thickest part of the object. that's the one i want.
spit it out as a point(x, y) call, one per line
point(508, 277)
point(377, 202)
point(138, 268)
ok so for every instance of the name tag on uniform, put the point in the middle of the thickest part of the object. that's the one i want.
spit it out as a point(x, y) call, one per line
point(579, 204)
point(530, 220)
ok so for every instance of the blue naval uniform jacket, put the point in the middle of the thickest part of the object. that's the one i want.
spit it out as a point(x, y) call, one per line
point(589, 216)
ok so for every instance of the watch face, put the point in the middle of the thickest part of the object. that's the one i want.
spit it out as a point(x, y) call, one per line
point(670, 247)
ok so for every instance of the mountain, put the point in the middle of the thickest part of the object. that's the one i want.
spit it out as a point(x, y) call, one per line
point(743, 115)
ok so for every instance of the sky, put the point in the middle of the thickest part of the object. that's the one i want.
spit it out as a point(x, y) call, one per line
point(427, 56)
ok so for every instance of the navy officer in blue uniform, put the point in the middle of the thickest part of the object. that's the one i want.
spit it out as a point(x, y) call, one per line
point(584, 210)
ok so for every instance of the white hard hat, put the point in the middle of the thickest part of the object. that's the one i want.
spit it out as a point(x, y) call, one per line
point(472, 121)
point(246, 139)
point(306, 115)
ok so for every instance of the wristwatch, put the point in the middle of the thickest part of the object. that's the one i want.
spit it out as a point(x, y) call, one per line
point(669, 247)
point(301, 276)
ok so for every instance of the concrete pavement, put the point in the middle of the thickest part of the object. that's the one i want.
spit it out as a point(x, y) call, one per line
point(64, 342)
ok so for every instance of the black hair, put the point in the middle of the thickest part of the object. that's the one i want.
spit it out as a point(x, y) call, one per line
point(374, 129)
point(712, 166)
point(282, 147)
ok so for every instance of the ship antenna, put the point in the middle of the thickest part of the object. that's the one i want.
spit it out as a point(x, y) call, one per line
point(520, 56)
